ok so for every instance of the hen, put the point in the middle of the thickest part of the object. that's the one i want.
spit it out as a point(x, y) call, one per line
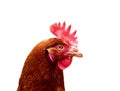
point(43, 68)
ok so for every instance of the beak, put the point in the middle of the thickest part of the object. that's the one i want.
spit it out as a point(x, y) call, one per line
point(73, 51)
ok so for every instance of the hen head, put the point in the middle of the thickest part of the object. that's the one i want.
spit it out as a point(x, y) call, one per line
point(63, 52)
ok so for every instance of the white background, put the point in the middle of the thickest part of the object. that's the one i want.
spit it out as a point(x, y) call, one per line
point(24, 23)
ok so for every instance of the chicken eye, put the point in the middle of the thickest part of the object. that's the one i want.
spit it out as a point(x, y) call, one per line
point(60, 47)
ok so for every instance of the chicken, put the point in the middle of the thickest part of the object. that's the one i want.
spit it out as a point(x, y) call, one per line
point(43, 68)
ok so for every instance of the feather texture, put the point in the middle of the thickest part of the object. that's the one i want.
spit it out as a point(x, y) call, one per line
point(39, 72)
point(43, 68)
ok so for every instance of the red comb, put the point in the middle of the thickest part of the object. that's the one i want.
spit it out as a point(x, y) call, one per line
point(59, 31)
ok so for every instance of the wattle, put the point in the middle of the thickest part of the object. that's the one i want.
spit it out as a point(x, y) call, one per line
point(64, 63)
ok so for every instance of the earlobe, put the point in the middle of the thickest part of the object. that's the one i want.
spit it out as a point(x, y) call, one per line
point(51, 53)
point(51, 57)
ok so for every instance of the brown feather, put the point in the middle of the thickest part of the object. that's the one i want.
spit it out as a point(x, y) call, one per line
point(39, 72)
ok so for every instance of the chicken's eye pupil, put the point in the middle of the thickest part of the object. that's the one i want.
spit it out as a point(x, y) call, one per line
point(60, 47)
